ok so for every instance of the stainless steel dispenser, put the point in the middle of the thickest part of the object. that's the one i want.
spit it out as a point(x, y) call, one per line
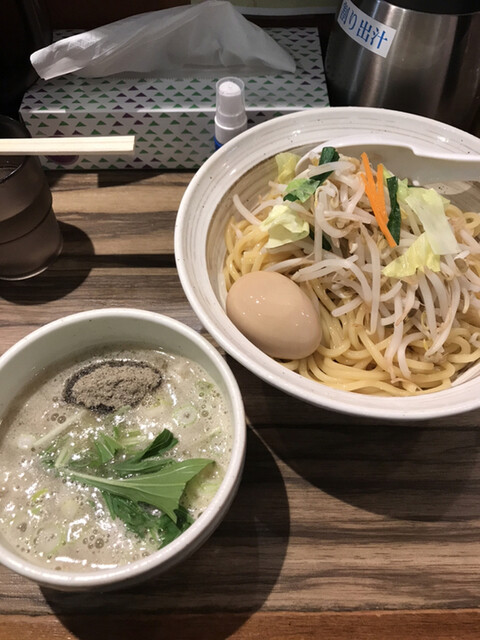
point(412, 55)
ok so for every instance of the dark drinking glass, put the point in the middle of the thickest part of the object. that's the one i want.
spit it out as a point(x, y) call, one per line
point(30, 237)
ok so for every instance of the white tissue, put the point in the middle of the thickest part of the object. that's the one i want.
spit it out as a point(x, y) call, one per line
point(208, 39)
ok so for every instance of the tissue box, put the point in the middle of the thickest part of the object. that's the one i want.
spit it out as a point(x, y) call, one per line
point(172, 119)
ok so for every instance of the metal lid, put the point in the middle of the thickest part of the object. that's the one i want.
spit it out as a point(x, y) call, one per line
point(456, 7)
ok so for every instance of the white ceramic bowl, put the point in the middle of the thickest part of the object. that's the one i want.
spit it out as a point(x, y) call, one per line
point(244, 166)
point(75, 333)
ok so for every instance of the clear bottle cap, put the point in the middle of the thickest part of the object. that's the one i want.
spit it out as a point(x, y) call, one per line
point(230, 113)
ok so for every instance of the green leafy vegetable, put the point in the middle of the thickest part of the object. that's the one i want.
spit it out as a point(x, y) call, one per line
point(162, 489)
point(147, 460)
point(135, 517)
point(133, 485)
point(170, 529)
point(106, 447)
point(302, 188)
point(162, 443)
point(328, 154)
point(102, 450)
point(395, 217)
point(143, 522)
point(131, 466)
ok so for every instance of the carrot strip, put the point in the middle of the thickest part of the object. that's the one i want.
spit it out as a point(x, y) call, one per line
point(376, 196)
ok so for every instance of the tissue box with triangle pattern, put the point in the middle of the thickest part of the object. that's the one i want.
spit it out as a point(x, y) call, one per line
point(171, 118)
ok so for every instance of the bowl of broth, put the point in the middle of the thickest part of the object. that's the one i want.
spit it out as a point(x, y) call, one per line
point(122, 444)
point(303, 274)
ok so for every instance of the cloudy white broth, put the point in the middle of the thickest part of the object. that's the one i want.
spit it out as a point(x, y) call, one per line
point(110, 457)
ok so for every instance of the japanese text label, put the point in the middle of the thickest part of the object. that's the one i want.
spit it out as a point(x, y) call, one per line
point(368, 32)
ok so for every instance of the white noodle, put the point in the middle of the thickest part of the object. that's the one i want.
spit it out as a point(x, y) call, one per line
point(429, 306)
point(301, 209)
point(440, 291)
point(472, 277)
point(401, 357)
point(265, 205)
point(447, 325)
point(397, 335)
point(338, 165)
point(395, 290)
point(286, 265)
point(470, 242)
point(329, 229)
point(277, 187)
point(358, 215)
point(423, 307)
point(410, 302)
point(348, 306)
point(243, 211)
point(375, 265)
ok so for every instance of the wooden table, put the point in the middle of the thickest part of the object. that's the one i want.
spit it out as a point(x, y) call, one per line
point(342, 528)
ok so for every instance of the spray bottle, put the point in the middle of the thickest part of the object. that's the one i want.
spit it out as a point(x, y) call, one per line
point(230, 113)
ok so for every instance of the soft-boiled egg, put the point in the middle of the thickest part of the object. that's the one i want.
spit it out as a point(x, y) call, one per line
point(275, 314)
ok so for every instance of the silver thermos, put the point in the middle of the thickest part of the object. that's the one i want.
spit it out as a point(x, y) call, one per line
point(420, 56)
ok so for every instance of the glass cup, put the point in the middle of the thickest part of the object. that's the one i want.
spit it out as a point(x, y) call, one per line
point(30, 237)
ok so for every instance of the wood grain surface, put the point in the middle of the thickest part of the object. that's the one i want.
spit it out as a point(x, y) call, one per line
point(341, 528)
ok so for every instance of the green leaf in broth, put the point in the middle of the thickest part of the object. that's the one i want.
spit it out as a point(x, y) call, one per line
point(130, 466)
point(106, 447)
point(144, 523)
point(162, 489)
point(162, 443)
point(135, 517)
point(132, 484)
point(169, 530)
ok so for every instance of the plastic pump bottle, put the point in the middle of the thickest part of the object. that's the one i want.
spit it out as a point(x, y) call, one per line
point(230, 113)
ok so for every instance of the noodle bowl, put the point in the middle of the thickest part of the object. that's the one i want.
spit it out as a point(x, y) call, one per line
point(244, 167)
point(382, 335)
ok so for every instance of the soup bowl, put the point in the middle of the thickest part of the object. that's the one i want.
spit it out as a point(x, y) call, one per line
point(72, 336)
point(244, 166)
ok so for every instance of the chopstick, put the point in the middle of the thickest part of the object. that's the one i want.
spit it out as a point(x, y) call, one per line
point(65, 146)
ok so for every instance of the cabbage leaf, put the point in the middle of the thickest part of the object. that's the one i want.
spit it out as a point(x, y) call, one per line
point(284, 225)
point(418, 256)
point(286, 163)
point(429, 207)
